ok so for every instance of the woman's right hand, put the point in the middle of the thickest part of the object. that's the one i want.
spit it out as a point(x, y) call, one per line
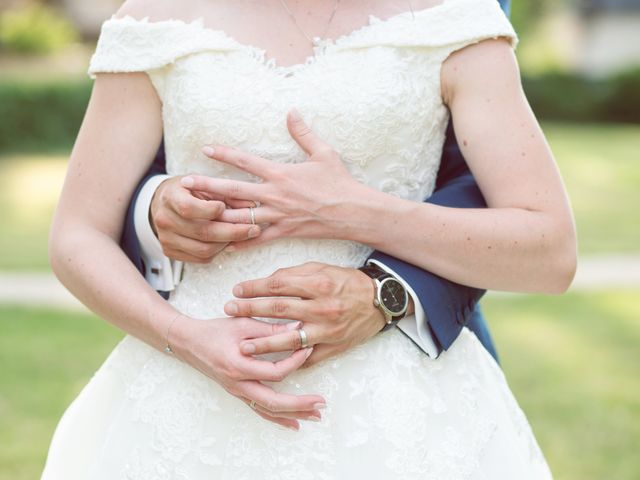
point(213, 348)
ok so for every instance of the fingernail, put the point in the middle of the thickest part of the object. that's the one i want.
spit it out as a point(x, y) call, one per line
point(248, 348)
point(308, 352)
point(254, 231)
point(295, 115)
point(232, 308)
point(208, 150)
point(238, 291)
point(319, 406)
point(291, 427)
point(187, 182)
point(293, 325)
point(315, 419)
point(230, 248)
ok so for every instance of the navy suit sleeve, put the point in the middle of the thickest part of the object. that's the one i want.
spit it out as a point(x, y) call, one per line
point(129, 240)
point(448, 305)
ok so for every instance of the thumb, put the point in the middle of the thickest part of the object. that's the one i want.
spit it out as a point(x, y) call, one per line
point(302, 134)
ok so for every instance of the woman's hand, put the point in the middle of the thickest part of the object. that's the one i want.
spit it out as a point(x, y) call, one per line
point(311, 199)
point(213, 348)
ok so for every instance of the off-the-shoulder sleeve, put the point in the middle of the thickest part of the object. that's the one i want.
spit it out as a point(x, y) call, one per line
point(446, 27)
point(129, 45)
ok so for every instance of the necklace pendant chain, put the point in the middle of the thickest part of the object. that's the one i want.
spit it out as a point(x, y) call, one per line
point(315, 41)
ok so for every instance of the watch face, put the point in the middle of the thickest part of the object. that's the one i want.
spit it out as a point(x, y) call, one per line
point(393, 296)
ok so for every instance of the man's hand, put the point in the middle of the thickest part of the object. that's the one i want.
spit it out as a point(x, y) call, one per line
point(187, 222)
point(335, 305)
point(213, 348)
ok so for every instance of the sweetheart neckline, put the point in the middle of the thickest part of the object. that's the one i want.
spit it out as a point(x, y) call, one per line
point(325, 44)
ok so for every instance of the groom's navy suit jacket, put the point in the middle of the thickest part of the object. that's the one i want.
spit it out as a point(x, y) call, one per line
point(449, 306)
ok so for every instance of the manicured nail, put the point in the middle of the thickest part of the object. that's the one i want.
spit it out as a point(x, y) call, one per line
point(187, 182)
point(208, 150)
point(292, 325)
point(232, 308)
point(319, 406)
point(314, 419)
point(237, 290)
point(308, 352)
point(254, 231)
point(248, 348)
point(295, 115)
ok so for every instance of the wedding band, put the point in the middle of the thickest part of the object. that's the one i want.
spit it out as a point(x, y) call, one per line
point(253, 215)
point(252, 404)
point(304, 341)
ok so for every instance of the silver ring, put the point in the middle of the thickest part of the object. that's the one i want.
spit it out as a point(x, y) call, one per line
point(252, 214)
point(252, 404)
point(304, 341)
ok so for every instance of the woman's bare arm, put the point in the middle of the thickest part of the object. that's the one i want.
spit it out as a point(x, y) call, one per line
point(524, 242)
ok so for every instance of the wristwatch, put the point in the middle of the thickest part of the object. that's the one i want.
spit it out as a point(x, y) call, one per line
point(390, 297)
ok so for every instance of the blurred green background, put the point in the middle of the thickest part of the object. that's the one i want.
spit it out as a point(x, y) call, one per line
point(572, 361)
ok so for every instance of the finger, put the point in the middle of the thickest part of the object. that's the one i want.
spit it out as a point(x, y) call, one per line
point(229, 202)
point(291, 424)
point(252, 328)
point(284, 342)
point(203, 251)
point(257, 369)
point(185, 257)
point(278, 402)
point(323, 351)
point(218, 231)
point(302, 134)
point(247, 162)
point(187, 205)
point(243, 215)
point(313, 415)
point(268, 234)
point(276, 307)
point(287, 282)
point(224, 187)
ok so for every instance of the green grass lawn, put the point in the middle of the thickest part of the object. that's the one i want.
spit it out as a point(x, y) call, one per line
point(572, 361)
point(600, 164)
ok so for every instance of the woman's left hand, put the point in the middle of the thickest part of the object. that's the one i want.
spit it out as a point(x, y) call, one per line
point(310, 199)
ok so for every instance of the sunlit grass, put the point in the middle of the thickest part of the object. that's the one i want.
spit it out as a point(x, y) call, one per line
point(574, 364)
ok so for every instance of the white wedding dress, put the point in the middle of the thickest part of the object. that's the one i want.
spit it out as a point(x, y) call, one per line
point(392, 413)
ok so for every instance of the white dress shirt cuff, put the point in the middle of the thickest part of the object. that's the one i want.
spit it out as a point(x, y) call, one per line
point(414, 326)
point(161, 272)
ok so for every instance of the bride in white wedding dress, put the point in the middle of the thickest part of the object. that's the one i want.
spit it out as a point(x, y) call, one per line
point(376, 95)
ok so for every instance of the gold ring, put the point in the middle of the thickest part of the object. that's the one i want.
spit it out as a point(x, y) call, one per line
point(252, 214)
point(252, 404)
point(304, 340)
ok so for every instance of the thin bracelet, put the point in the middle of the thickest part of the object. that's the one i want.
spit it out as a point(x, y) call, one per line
point(168, 350)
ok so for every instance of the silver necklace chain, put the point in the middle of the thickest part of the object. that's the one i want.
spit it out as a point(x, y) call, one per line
point(316, 40)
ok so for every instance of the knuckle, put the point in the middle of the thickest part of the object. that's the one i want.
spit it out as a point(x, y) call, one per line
point(324, 285)
point(279, 307)
point(162, 220)
point(274, 284)
point(272, 406)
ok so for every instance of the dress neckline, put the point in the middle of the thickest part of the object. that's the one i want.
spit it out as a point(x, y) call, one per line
point(324, 45)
